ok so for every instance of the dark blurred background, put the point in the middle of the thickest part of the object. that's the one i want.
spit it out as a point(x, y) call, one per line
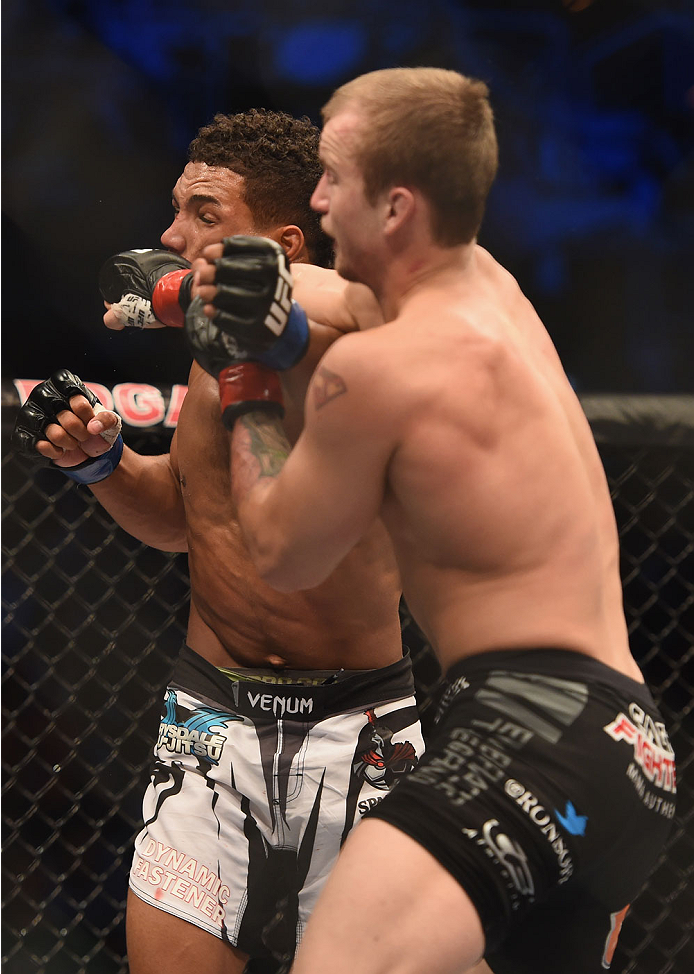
point(593, 209)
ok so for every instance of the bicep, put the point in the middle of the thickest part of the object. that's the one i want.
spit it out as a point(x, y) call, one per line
point(295, 380)
point(331, 487)
point(340, 469)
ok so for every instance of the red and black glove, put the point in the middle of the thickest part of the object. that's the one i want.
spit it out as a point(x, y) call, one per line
point(247, 387)
point(243, 385)
point(147, 287)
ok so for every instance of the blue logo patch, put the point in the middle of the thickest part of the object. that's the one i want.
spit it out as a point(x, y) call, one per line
point(571, 820)
point(196, 733)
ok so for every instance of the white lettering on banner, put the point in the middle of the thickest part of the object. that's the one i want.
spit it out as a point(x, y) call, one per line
point(139, 404)
point(178, 394)
point(25, 386)
point(102, 393)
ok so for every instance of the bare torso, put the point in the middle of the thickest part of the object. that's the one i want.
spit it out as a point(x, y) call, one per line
point(350, 621)
point(497, 502)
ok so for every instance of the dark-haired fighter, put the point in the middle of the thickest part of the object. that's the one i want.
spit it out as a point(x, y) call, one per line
point(287, 715)
point(547, 789)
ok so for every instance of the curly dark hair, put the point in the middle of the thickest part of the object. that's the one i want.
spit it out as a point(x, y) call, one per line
point(277, 155)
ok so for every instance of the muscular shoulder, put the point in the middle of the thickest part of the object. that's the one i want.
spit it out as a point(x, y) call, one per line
point(360, 373)
point(329, 299)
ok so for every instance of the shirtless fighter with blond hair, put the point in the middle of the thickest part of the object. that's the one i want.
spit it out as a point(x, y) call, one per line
point(524, 833)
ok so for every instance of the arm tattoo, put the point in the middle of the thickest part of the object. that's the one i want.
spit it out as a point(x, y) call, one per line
point(327, 385)
point(259, 450)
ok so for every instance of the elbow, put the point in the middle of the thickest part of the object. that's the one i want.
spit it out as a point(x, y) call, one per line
point(289, 576)
point(281, 569)
point(275, 570)
point(281, 557)
point(269, 559)
point(174, 546)
point(277, 578)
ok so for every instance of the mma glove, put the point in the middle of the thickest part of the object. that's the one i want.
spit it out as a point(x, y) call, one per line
point(254, 303)
point(147, 287)
point(243, 385)
point(41, 408)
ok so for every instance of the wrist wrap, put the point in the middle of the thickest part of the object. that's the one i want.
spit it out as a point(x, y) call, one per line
point(292, 344)
point(246, 387)
point(96, 468)
point(171, 297)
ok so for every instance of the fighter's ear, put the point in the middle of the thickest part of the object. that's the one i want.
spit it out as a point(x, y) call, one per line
point(291, 240)
point(399, 207)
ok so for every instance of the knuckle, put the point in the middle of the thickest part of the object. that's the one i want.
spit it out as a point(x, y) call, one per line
point(59, 436)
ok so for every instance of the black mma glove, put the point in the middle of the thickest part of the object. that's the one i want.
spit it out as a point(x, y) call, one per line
point(254, 302)
point(147, 287)
point(41, 408)
point(243, 385)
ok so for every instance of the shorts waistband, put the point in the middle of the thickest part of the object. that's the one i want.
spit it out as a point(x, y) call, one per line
point(294, 701)
point(564, 664)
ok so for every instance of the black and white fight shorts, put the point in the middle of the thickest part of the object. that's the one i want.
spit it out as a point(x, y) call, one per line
point(257, 779)
point(547, 791)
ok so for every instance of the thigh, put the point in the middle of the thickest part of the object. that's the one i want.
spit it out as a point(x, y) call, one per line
point(158, 941)
point(540, 821)
point(353, 761)
point(191, 858)
point(389, 906)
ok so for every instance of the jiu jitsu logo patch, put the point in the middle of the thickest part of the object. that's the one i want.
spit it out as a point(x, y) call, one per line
point(184, 731)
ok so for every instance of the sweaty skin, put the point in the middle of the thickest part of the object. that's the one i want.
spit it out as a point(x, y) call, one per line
point(182, 501)
point(450, 460)
point(456, 424)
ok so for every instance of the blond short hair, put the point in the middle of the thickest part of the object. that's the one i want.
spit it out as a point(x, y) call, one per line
point(431, 129)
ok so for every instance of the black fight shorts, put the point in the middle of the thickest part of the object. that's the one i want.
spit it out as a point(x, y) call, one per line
point(547, 791)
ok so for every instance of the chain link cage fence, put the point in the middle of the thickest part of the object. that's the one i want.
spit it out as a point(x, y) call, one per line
point(93, 621)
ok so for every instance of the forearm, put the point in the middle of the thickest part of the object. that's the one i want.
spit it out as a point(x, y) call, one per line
point(259, 450)
point(331, 300)
point(143, 496)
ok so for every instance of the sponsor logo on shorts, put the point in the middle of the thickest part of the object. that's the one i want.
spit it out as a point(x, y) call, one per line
point(652, 749)
point(509, 856)
point(279, 704)
point(452, 690)
point(649, 798)
point(469, 763)
point(366, 804)
point(166, 872)
point(383, 762)
point(185, 731)
point(540, 817)
point(571, 821)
